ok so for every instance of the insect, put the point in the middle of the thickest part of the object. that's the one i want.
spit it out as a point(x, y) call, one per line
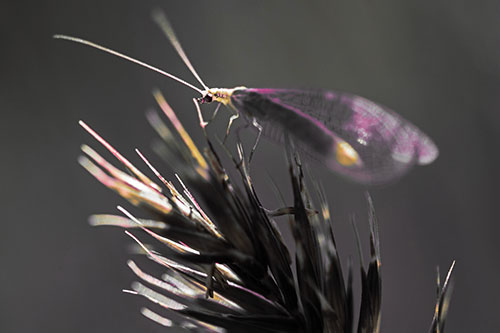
point(351, 135)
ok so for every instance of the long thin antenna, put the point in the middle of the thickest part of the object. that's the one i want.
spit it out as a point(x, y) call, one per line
point(160, 19)
point(118, 54)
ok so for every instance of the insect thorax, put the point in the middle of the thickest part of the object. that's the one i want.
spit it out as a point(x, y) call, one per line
point(220, 95)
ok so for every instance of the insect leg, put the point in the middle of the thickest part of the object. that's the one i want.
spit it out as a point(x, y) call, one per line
point(215, 113)
point(238, 130)
point(288, 211)
point(233, 118)
point(259, 128)
point(204, 123)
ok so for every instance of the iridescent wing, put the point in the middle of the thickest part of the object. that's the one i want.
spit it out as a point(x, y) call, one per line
point(350, 134)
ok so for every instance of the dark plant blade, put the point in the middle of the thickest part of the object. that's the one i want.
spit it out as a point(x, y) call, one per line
point(444, 293)
point(371, 282)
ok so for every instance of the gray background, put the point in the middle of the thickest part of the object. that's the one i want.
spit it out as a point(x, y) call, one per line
point(435, 62)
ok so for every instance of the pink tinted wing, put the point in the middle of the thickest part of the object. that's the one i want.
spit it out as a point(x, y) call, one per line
point(387, 144)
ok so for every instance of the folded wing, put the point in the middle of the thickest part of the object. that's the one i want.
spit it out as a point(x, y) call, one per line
point(329, 125)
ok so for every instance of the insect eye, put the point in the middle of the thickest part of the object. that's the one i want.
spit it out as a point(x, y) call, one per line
point(205, 99)
point(208, 98)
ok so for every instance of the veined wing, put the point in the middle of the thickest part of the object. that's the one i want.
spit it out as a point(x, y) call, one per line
point(386, 144)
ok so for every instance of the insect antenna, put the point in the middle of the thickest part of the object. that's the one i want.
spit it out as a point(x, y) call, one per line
point(123, 56)
point(162, 21)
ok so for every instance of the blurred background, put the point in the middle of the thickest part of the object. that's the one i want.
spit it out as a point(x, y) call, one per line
point(434, 62)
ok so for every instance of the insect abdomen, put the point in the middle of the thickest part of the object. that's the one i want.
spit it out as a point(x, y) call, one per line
point(276, 118)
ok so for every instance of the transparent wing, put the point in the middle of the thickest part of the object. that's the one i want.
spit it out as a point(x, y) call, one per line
point(387, 144)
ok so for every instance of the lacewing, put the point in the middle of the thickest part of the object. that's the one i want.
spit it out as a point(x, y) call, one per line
point(351, 135)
